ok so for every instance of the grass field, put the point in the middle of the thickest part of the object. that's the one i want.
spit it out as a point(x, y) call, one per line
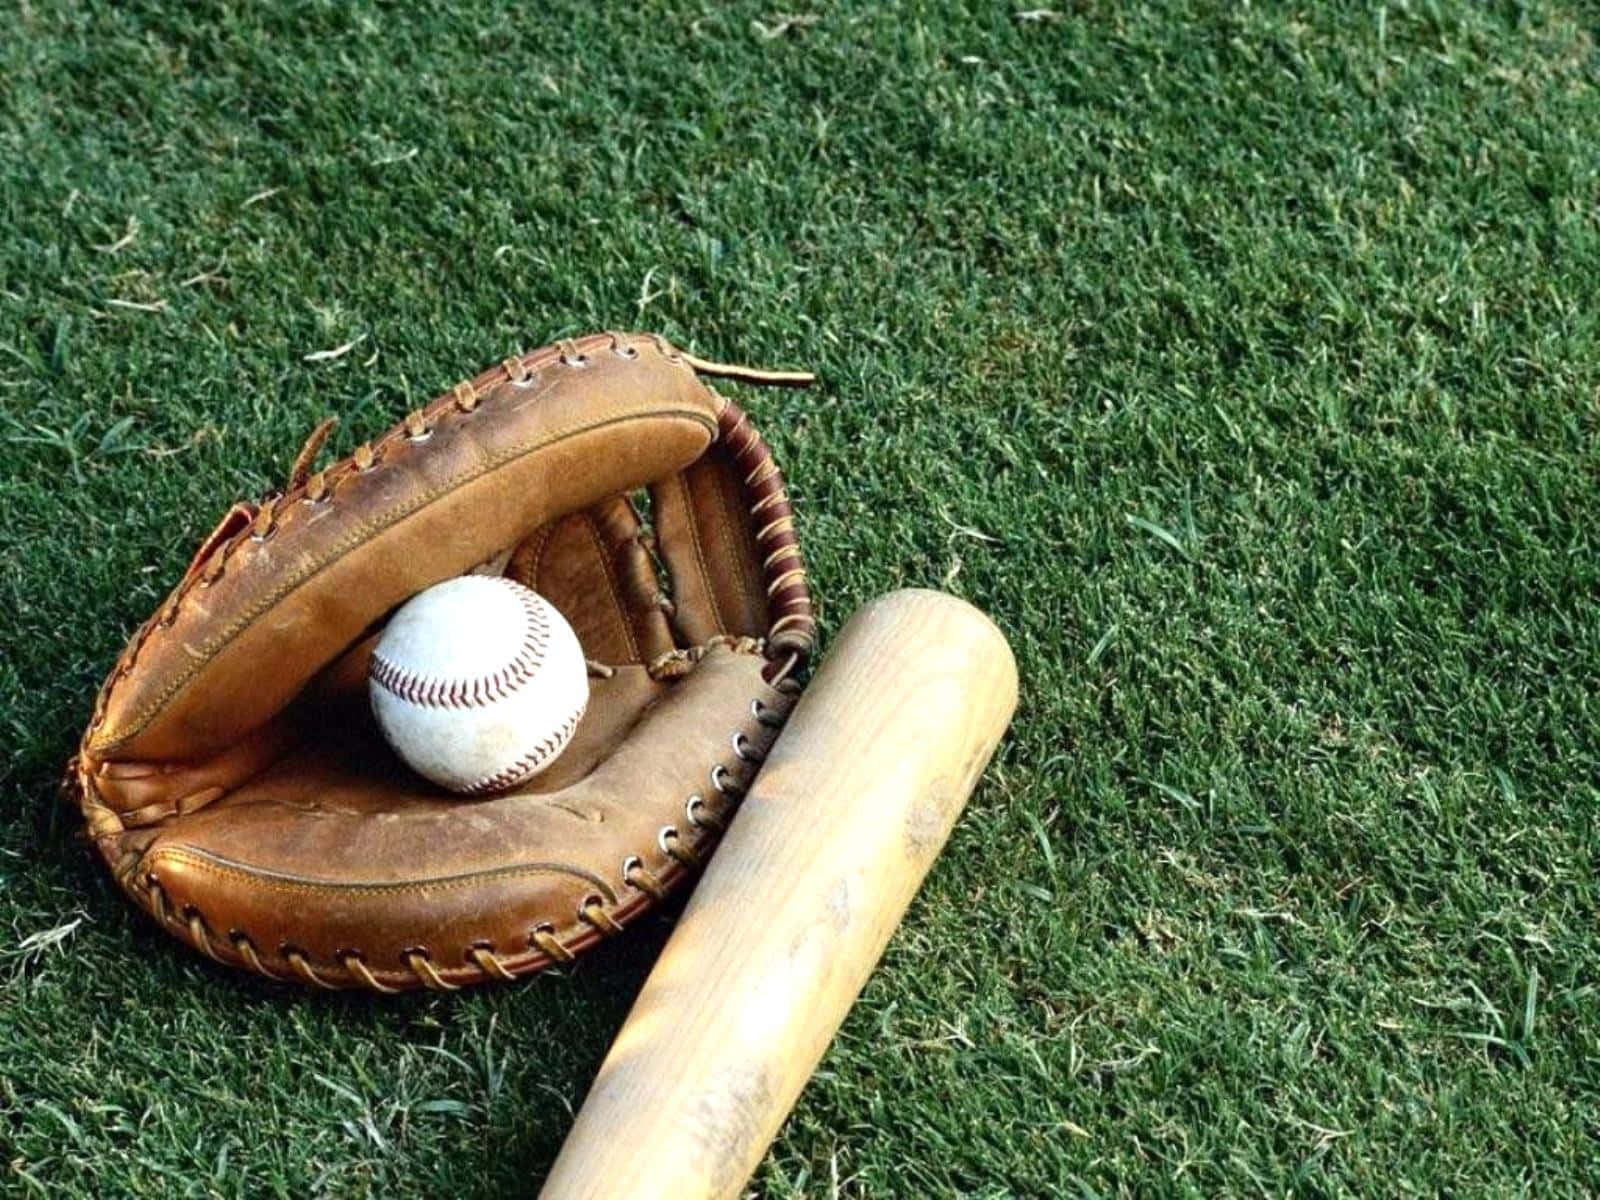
point(1243, 361)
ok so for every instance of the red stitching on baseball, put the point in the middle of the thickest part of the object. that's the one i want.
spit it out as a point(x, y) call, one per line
point(529, 762)
point(433, 691)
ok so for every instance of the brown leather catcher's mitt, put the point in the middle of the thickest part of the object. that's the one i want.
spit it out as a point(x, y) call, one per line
point(232, 776)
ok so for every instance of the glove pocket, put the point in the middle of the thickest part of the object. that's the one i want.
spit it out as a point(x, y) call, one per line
point(336, 867)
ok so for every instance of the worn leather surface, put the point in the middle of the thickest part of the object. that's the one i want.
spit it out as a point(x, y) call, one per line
point(232, 776)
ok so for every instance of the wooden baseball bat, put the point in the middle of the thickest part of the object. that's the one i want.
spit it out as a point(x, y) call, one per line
point(841, 825)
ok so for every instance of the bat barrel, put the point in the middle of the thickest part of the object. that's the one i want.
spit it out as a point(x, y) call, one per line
point(841, 825)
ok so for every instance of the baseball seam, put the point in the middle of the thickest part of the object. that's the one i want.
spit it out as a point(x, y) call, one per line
point(434, 691)
point(551, 745)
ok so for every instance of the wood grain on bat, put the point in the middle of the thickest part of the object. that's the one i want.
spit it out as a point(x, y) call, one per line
point(854, 803)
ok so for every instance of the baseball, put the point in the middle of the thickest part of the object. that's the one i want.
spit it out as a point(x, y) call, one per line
point(478, 683)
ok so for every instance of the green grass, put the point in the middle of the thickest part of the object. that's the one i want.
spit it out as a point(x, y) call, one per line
point(1243, 361)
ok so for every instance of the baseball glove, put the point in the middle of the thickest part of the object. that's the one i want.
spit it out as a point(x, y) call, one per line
point(232, 776)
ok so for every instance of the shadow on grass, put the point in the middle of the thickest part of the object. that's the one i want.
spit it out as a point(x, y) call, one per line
point(554, 1028)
